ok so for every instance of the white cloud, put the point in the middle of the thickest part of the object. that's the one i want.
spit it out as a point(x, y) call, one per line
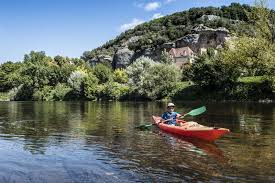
point(157, 15)
point(131, 25)
point(169, 1)
point(152, 6)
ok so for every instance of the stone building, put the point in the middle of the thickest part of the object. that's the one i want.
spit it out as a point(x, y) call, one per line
point(182, 56)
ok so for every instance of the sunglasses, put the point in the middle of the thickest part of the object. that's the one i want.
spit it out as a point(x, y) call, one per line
point(170, 107)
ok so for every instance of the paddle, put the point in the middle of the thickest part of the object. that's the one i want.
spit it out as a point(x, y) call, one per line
point(147, 126)
point(194, 112)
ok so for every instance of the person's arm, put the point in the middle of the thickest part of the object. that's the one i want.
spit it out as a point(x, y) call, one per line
point(178, 115)
point(179, 121)
point(164, 119)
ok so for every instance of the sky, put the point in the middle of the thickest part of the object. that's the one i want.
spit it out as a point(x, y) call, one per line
point(70, 27)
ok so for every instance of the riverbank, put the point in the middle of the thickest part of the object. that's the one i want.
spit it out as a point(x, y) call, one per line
point(243, 91)
point(246, 89)
point(255, 89)
point(4, 96)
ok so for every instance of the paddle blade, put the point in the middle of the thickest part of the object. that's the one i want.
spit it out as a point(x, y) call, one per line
point(144, 126)
point(196, 112)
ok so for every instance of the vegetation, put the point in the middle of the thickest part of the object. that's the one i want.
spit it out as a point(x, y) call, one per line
point(242, 70)
point(166, 58)
point(249, 57)
point(209, 71)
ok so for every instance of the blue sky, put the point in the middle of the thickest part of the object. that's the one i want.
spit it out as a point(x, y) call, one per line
point(70, 27)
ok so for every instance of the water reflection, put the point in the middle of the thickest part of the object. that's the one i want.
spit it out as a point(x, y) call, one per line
point(201, 148)
point(97, 142)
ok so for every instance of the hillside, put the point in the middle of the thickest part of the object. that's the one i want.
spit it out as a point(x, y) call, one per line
point(151, 37)
point(242, 71)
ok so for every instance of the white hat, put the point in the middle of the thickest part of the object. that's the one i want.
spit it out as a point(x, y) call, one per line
point(170, 105)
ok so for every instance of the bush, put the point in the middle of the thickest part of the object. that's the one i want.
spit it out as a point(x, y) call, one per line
point(103, 73)
point(4, 96)
point(22, 92)
point(251, 90)
point(114, 90)
point(166, 58)
point(91, 87)
point(60, 92)
point(44, 94)
point(120, 76)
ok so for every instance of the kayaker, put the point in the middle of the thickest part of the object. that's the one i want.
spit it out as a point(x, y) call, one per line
point(170, 117)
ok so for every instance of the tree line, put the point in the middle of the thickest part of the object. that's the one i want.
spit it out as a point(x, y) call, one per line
point(243, 69)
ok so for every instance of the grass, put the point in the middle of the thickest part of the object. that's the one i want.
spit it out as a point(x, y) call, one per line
point(252, 79)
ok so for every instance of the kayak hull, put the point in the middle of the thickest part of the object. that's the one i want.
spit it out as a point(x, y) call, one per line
point(192, 130)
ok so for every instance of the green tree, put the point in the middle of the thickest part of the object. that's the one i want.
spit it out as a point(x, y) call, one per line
point(120, 76)
point(77, 61)
point(39, 58)
point(263, 20)
point(252, 56)
point(160, 81)
point(60, 91)
point(76, 81)
point(35, 75)
point(166, 58)
point(22, 92)
point(103, 73)
point(136, 72)
point(90, 86)
point(212, 72)
point(9, 76)
point(60, 60)
point(45, 93)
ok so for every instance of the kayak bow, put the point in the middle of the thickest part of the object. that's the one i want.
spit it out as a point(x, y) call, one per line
point(192, 130)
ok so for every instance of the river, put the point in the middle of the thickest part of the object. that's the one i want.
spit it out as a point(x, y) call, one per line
point(76, 142)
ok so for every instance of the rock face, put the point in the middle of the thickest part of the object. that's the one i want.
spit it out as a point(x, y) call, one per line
point(169, 45)
point(190, 40)
point(210, 17)
point(204, 38)
point(122, 58)
point(100, 59)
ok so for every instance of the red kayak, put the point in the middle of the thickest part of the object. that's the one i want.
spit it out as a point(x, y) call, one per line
point(192, 130)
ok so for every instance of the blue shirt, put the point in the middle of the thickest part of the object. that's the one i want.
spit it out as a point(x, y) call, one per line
point(168, 115)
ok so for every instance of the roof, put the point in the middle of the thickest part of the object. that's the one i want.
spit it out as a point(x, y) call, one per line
point(181, 52)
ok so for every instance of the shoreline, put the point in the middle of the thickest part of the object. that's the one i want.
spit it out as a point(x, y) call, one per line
point(263, 101)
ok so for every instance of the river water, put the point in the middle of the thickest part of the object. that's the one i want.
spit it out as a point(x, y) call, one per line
point(97, 142)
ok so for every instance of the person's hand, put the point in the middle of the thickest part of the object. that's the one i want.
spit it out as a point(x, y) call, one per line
point(171, 119)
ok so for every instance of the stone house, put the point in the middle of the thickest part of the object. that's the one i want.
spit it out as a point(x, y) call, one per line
point(182, 56)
